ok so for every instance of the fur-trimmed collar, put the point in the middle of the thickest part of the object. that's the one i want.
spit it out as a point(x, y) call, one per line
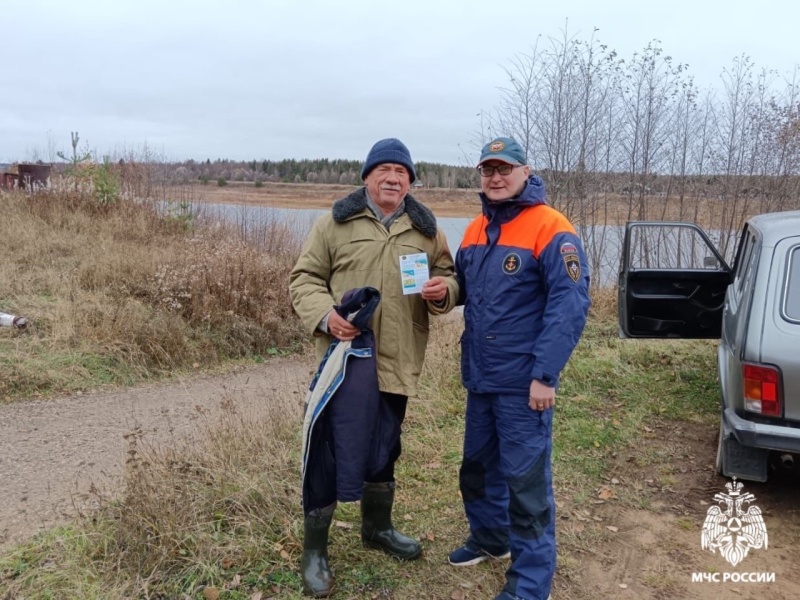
point(421, 216)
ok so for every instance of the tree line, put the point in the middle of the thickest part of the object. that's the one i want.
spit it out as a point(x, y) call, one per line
point(321, 170)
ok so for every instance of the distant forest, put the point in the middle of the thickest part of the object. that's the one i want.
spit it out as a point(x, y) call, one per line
point(322, 170)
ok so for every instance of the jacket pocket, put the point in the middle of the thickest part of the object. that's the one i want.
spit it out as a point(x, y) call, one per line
point(507, 361)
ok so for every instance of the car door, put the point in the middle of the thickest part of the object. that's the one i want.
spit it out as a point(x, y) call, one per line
point(672, 282)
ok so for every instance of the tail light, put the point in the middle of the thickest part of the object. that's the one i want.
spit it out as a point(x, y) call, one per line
point(762, 390)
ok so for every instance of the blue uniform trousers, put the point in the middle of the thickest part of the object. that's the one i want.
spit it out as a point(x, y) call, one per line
point(507, 488)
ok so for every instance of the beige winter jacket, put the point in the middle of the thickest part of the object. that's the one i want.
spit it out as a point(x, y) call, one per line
point(350, 248)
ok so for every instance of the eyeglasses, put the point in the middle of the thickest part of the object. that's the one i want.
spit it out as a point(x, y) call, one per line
point(504, 169)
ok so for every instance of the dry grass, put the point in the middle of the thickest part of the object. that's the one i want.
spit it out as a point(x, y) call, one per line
point(220, 512)
point(222, 499)
point(121, 292)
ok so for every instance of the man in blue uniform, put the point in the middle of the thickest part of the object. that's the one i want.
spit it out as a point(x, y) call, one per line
point(525, 289)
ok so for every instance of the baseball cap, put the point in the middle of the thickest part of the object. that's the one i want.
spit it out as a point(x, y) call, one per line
point(505, 149)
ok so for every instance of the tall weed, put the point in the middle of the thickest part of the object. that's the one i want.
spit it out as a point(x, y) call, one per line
point(125, 285)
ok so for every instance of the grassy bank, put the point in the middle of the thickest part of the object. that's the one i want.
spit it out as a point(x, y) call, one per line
point(122, 292)
point(218, 515)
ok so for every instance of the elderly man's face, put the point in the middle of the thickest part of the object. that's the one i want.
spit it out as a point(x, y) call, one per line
point(388, 184)
point(502, 187)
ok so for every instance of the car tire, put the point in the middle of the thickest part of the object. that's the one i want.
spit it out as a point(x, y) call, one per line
point(720, 463)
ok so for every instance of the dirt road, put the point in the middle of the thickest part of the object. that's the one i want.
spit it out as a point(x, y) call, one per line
point(653, 552)
point(53, 451)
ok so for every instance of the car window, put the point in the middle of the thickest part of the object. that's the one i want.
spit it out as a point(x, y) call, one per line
point(742, 259)
point(791, 303)
point(749, 267)
point(670, 247)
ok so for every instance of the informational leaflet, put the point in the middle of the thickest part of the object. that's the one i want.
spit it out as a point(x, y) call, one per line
point(413, 272)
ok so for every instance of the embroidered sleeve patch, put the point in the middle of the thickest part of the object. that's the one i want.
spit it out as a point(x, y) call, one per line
point(573, 265)
point(571, 261)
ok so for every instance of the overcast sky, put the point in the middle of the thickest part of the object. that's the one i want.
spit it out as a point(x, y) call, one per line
point(252, 79)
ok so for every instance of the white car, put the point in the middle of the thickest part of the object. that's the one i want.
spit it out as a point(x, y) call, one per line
point(673, 283)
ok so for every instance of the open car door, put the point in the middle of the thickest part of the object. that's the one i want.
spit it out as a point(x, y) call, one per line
point(672, 282)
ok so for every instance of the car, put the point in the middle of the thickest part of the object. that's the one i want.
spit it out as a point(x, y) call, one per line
point(675, 283)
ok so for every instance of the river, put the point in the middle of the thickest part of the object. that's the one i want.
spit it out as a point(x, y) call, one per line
point(602, 243)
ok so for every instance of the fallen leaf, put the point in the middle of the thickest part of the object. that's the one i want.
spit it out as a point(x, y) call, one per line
point(343, 524)
point(408, 517)
point(235, 582)
point(434, 465)
point(612, 529)
point(257, 596)
point(211, 593)
point(614, 480)
point(623, 586)
point(647, 429)
point(458, 595)
point(596, 444)
point(226, 562)
point(605, 493)
point(430, 537)
point(285, 555)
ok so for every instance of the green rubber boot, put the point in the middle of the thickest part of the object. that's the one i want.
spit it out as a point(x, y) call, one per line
point(377, 530)
point(317, 576)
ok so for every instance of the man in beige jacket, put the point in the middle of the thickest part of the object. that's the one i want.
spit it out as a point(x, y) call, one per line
point(362, 242)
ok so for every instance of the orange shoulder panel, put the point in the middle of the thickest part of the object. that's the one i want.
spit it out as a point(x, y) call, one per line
point(475, 233)
point(534, 228)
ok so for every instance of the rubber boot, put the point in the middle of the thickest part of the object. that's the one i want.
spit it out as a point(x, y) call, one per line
point(317, 576)
point(376, 523)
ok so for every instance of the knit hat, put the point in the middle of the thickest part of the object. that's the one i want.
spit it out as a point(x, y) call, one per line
point(505, 149)
point(390, 150)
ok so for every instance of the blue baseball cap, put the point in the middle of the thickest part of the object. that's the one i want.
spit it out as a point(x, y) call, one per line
point(505, 149)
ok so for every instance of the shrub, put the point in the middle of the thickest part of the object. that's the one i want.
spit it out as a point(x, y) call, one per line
point(106, 184)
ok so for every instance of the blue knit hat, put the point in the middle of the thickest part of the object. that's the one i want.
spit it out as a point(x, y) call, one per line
point(390, 150)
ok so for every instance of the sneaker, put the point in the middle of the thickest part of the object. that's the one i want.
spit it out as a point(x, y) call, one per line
point(466, 556)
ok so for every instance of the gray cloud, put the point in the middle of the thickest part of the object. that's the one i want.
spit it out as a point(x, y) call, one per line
point(255, 79)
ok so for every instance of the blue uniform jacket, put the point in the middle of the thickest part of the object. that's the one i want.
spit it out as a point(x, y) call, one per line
point(525, 289)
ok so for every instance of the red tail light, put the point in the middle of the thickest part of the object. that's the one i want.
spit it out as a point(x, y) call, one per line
point(762, 392)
